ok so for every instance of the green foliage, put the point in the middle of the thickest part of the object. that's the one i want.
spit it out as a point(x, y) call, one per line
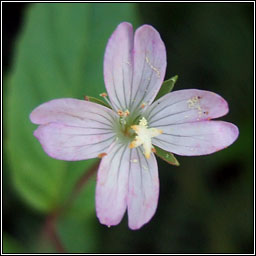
point(166, 87)
point(10, 245)
point(166, 156)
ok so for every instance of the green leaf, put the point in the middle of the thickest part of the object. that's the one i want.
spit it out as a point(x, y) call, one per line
point(166, 87)
point(11, 245)
point(95, 100)
point(77, 235)
point(59, 54)
point(166, 156)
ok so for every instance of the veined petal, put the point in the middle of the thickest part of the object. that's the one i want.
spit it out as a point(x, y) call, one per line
point(73, 143)
point(196, 138)
point(149, 66)
point(134, 67)
point(112, 184)
point(73, 112)
point(73, 129)
point(143, 189)
point(186, 106)
point(118, 65)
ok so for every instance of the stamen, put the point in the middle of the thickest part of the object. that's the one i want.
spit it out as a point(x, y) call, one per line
point(143, 105)
point(104, 94)
point(126, 112)
point(123, 113)
point(120, 112)
point(101, 155)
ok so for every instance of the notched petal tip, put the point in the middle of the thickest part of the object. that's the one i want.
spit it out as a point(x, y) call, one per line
point(37, 132)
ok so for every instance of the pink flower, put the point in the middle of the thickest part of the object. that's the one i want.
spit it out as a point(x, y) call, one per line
point(179, 122)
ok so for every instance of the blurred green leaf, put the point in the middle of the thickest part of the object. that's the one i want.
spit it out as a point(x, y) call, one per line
point(11, 245)
point(78, 236)
point(166, 156)
point(166, 87)
point(59, 54)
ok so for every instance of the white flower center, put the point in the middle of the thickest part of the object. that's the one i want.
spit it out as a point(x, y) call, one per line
point(144, 136)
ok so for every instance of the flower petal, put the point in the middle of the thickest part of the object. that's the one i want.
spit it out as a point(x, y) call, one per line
point(73, 129)
point(143, 189)
point(73, 112)
point(134, 69)
point(112, 184)
point(149, 66)
point(196, 138)
point(73, 143)
point(118, 66)
point(186, 106)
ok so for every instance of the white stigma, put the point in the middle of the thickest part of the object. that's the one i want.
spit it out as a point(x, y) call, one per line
point(144, 136)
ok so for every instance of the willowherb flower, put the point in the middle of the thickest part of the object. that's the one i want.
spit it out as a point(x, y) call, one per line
point(124, 135)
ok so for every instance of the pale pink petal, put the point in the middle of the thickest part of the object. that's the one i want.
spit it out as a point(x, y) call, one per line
point(149, 66)
point(186, 106)
point(73, 129)
point(73, 112)
point(196, 138)
point(143, 189)
point(73, 143)
point(118, 66)
point(134, 68)
point(112, 184)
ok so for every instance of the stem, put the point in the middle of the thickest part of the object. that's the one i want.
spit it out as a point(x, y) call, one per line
point(49, 230)
point(50, 226)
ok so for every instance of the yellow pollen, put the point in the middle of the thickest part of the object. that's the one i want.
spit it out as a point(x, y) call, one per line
point(195, 103)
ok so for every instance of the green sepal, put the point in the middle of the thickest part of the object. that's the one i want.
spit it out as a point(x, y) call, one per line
point(166, 87)
point(95, 100)
point(166, 156)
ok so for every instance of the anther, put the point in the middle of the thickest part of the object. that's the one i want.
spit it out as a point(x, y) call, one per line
point(120, 112)
point(101, 155)
point(103, 94)
point(126, 112)
point(143, 105)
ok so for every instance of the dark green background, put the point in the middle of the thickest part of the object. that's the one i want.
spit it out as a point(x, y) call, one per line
point(205, 205)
